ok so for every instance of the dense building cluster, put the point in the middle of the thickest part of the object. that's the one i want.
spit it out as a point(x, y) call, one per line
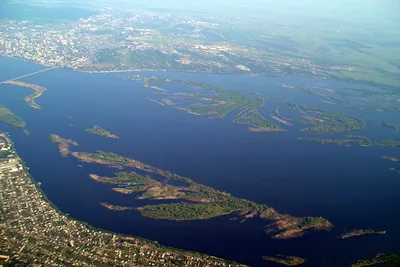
point(33, 231)
point(78, 44)
point(114, 40)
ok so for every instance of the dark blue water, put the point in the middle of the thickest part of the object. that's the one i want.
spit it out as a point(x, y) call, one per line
point(350, 186)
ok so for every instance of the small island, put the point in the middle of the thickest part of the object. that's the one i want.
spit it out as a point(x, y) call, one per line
point(26, 132)
point(259, 123)
point(323, 121)
point(359, 232)
point(114, 207)
point(286, 260)
point(222, 103)
point(349, 140)
point(155, 101)
point(391, 158)
point(35, 233)
point(6, 116)
point(64, 144)
point(391, 143)
point(391, 125)
point(97, 130)
point(30, 99)
point(392, 259)
point(329, 122)
point(194, 201)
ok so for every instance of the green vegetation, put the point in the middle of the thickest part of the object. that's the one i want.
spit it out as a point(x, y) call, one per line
point(97, 130)
point(385, 109)
point(221, 104)
point(189, 211)
point(323, 121)
point(355, 233)
point(309, 221)
point(349, 139)
point(110, 157)
point(389, 124)
point(252, 117)
point(54, 138)
point(311, 108)
point(329, 122)
point(392, 143)
point(6, 116)
point(392, 259)
point(195, 201)
point(285, 260)
point(26, 132)
point(4, 154)
point(293, 106)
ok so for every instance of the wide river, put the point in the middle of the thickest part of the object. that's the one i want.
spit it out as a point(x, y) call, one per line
point(350, 186)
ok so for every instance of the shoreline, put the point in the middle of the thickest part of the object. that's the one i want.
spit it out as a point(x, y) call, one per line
point(326, 78)
point(135, 243)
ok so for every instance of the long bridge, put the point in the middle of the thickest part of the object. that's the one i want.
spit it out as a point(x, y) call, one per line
point(30, 74)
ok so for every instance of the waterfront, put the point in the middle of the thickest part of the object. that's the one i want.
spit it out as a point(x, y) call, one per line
point(350, 186)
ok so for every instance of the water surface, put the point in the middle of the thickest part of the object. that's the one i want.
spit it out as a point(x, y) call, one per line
point(350, 186)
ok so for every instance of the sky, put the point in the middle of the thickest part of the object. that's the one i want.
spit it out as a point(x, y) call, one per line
point(368, 10)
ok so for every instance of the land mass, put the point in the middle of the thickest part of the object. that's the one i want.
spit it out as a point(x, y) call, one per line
point(97, 130)
point(392, 143)
point(391, 125)
point(329, 122)
point(323, 121)
point(349, 140)
point(194, 201)
point(391, 259)
point(6, 116)
point(34, 232)
point(64, 144)
point(30, 99)
point(360, 232)
point(220, 104)
point(115, 39)
point(286, 260)
point(391, 158)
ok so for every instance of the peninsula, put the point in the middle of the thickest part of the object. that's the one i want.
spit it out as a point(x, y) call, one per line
point(286, 260)
point(356, 233)
point(30, 99)
point(194, 201)
point(64, 144)
point(97, 130)
point(6, 116)
point(34, 232)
